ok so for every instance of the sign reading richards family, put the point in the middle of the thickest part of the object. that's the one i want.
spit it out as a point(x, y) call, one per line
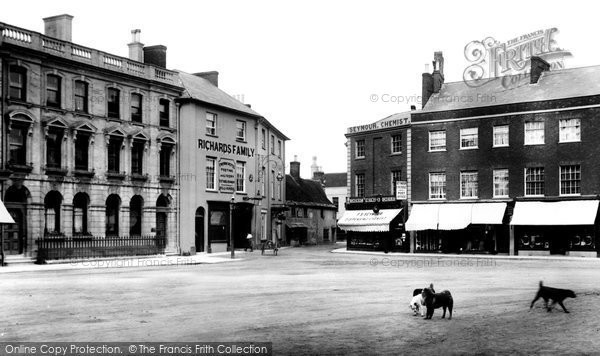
point(381, 124)
point(226, 176)
point(226, 148)
point(510, 60)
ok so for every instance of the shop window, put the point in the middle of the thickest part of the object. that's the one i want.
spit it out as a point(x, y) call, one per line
point(534, 181)
point(437, 185)
point(80, 91)
point(437, 140)
point(136, 107)
point(17, 83)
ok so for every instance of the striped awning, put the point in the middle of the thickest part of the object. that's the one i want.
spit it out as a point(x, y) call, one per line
point(367, 220)
point(5, 217)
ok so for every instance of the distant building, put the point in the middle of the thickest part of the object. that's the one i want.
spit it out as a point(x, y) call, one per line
point(311, 216)
point(334, 184)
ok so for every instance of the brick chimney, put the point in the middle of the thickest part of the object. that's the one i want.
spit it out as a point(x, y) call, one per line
point(59, 27)
point(136, 48)
point(295, 168)
point(156, 55)
point(432, 83)
point(212, 77)
point(538, 65)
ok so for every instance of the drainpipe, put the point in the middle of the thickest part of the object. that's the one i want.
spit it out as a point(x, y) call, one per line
point(3, 137)
point(177, 155)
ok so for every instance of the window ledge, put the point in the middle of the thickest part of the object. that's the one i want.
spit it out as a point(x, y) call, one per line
point(239, 139)
point(24, 168)
point(396, 153)
point(55, 109)
point(166, 128)
point(115, 119)
point(572, 141)
point(166, 179)
point(437, 150)
point(84, 173)
point(139, 177)
point(56, 171)
point(361, 157)
point(115, 175)
point(534, 144)
point(500, 146)
point(19, 102)
point(468, 148)
point(138, 123)
point(211, 135)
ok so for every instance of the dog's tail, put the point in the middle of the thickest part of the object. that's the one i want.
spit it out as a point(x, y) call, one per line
point(541, 284)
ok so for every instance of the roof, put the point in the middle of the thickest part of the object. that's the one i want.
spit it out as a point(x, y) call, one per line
point(200, 89)
point(298, 190)
point(335, 179)
point(552, 85)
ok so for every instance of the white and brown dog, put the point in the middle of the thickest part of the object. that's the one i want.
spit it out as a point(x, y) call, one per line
point(417, 303)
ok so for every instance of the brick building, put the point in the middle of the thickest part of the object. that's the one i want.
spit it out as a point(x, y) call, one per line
point(378, 160)
point(507, 168)
point(310, 217)
point(88, 139)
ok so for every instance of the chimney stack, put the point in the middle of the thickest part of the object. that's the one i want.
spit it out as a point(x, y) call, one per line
point(156, 55)
point(295, 168)
point(538, 65)
point(213, 78)
point(432, 83)
point(136, 48)
point(59, 27)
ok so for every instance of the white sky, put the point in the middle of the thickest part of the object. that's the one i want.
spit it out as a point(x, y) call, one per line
point(310, 67)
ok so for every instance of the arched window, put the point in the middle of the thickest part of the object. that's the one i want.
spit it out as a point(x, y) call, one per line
point(113, 205)
point(52, 204)
point(80, 213)
point(135, 215)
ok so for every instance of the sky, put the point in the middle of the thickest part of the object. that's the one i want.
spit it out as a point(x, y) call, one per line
point(314, 68)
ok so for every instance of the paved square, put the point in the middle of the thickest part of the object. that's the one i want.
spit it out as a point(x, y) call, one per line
point(310, 301)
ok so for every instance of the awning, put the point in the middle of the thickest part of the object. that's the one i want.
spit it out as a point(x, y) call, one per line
point(293, 225)
point(454, 216)
point(367, 220)
point(423, 217)
point(573, 212)
point(5, 217)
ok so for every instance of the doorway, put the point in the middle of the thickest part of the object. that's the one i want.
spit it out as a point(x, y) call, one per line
point(199, 240)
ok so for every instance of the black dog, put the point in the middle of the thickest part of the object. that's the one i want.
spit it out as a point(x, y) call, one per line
point(557, 295)
point(437, 300)
point(420, 290)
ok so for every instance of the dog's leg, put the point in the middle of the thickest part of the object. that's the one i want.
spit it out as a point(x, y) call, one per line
point(537, 296)
point(444, 313)
point(562, 305)
point(551, 305)
point(450, 305)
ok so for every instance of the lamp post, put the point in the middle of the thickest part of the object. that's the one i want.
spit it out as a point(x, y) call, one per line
point(231, 242)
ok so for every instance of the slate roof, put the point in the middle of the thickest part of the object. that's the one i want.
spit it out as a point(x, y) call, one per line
point(552, 85)
point(335, 179)
point(305, 191)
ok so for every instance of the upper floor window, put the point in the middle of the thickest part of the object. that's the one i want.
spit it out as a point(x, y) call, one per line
point(136, 107)
point(437, 185)
point(279, 148)
point(211, 176)
point(534, 181)
point(360, 185)
point(17, 142)
point(240, 132)
point(80, 91)
point(114, 154)
point(137, 156)
point(397, 144)
point(570, 180)
point(500, 136)
point(53, 91)
point(437, 140)
point(81, 152)
point(165, 160)
point(113, 101)
point(53, 148)
point(272, 144)
point(534, 133)
point(336, 202)
point(263, 139)
point(469, 138)
point(500, 183)
point(240, 177)
point(211, 124)
point(163, 112)
point(17, 80)
point(569, 130)
point(360, 148)
point(468, 184)
point(396, 177)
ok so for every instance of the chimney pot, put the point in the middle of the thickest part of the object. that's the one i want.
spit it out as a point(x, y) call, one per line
point(136, 48)
point(156, 55)
point(59, 26)
point(295, 168)
point(538, 65)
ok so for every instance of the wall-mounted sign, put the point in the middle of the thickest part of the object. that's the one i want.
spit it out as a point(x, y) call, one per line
point(226, 148)
point(401, 190)
point(377, 199)
point(226, 176)
point(382, 124)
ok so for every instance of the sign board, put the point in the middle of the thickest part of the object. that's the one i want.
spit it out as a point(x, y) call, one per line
point(401, 190)
point(226, 176)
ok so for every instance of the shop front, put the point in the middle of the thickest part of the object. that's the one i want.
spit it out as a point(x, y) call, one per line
point(563, 228)
point(375, 229)
point(474, 228)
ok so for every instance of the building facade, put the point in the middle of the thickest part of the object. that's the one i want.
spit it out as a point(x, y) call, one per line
point(510, 170)
point(232, 169)
point(89, 139)
point(379, 178)
point(310, 217)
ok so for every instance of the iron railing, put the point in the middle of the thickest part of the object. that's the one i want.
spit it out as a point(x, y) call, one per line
point(56, 247)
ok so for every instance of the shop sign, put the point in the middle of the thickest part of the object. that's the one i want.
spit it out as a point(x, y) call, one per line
point(225, 148)
point(377, 199)
point(401, 190)
point(226, 176)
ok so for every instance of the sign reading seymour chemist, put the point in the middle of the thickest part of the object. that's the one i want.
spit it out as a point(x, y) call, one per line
point(382, 124)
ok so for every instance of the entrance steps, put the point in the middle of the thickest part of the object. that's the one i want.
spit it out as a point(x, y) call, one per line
point(12, 260)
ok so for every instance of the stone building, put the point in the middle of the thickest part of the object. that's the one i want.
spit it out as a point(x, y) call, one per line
point(89, 139)
point(311, 216)
point(232, 169)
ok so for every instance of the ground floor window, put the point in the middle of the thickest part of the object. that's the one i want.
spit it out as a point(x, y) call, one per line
point(52, 210)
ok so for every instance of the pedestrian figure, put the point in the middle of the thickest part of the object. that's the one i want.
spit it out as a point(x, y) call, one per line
point(249, 243)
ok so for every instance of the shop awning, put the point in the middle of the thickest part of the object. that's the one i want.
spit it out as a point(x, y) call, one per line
point(573, 212)
point(5, 217)
point(454, 216)
point(367, 220)
point(293, 225)
point(423, 217)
